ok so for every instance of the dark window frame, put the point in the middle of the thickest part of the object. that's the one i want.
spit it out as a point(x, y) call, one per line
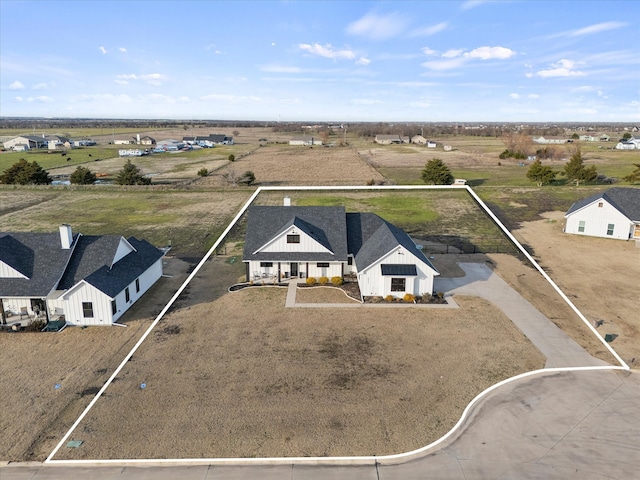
point(266, 264)
point(293, 238)
point(397, 282)
point(87, 309)
point(322, 265)
point(127, 295)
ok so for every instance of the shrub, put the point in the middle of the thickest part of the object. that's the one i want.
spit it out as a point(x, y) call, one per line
point(440, 295)
point(203, 172)
point(337, 281)
point(310, 281)
point(389, 298)
point(409, 298)
point(231, 157)
point(323, 280)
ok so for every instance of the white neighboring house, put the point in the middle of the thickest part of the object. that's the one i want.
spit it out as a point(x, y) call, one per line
point(32, 141)
point(287, 241)
point(632, 143)
point(614, 213)
point(305, 141)
point(90, 280)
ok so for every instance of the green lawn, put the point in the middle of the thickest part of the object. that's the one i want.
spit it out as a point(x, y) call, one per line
point(52, 160)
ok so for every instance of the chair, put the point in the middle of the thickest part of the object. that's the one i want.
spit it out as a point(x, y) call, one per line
point(24, 312)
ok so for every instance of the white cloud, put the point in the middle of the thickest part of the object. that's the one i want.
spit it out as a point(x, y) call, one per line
point(514, 95)
point(19, 99)
point(444, 64)
point(469, 4)
point(273, 44)
point(17, 85)
point(105, 98)
point(103, 50)
point(280, 69)
point(363, 61)
point(327, 51)
point(40, 99)
point(428, 51)
point(123, 50)
point(597, 28)
point(430, 30)
point(154, 79)
point(489, 53)
point(533, 96)
point(452, 53)
point(378, 27)
point(563, 68)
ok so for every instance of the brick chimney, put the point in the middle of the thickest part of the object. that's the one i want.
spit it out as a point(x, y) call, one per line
point(66, 236)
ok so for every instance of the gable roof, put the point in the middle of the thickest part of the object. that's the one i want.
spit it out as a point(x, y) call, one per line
point(625, 200)
point(371, 237)
point(38, 256)
point(326, 225)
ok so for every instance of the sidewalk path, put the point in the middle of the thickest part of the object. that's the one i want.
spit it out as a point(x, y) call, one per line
point(559, 349)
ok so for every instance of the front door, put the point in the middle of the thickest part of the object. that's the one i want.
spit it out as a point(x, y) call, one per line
point(636, 232)
point(293, 269)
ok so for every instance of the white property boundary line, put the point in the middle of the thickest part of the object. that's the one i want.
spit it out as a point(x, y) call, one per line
point(327, 460)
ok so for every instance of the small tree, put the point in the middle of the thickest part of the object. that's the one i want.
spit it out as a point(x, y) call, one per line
point(131, 175)
point(541, 174)
point(633, 177)
point(436, 173)
point(626, 136)
point(83, 176)
point(25, 173)
point(247, 178)
point(575, 171)
point(231, 157)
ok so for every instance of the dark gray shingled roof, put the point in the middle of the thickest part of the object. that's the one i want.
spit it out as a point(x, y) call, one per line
point(327, 225)
point(626, 200)
point(125, 270)
point(39, 256)
point(370, 237)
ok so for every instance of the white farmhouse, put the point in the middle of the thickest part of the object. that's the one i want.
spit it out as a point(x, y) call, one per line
point(614, 213)
point(80, 279)
point(288, 241)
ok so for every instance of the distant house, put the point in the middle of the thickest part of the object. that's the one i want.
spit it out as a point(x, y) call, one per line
point(614, 213)
point(305, 141)
point(418, 140)
point(431, 144)
point(549, 141)
point(147, 140)
point(632, 143)
point(82, 279)
point(208, 140)
point(391, 139)
point(287, 241)
point(124, 142)
point(588, 138)
point(30, 141)
point(56, 142)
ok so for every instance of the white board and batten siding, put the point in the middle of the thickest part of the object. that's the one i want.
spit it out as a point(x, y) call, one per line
point(596, 219)
point(306, 245)
point(9, 272)
point(71, 302)
point(373, 283)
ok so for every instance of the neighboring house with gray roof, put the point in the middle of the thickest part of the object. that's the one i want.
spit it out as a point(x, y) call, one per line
point(288, 241)
point(26, 142)
point(91, 280)
point(614, 213)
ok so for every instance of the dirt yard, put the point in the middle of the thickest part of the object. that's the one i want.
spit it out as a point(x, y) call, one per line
point(600, 276)
point(297, 165)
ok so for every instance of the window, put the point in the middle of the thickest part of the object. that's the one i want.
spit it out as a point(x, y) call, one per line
point(322, 265)
point(610, 229)
point(266, 264)
point(599, 204)
point(137, 285)
point(114, 307)
point(350, 261)
point(581, 226)
point(87, 309)
point(127, 297)
point(293, 238)
point(398, 284)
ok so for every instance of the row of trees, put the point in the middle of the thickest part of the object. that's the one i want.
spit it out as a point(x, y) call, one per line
point(436, 172)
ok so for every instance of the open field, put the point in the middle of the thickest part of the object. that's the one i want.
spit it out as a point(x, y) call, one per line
point(190, 221)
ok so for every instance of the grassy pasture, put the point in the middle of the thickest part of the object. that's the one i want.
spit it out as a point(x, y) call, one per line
point(51, 161)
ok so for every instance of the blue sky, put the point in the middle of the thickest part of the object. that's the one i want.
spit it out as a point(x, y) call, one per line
point(474, 61)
